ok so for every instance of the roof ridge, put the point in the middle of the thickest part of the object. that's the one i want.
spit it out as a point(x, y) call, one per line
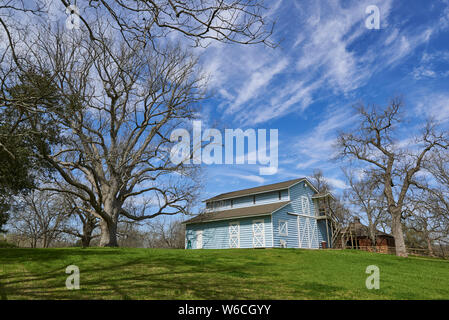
point(292, 181)
point(236, 213)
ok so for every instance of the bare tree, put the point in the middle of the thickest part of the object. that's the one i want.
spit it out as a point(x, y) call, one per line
point(167, 234)
point(335, 209)
point(438, 166)
point(81, 223)
point(375, 142)
point(367, 198)
point(234, 21)
point(130, 234)
point(36, 217)
point(319, 181)
point(227, 21)
point(201, 21)
point(119, 107)
point(425, 222)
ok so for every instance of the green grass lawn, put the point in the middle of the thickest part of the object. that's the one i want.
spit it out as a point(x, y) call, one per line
point(218, 274)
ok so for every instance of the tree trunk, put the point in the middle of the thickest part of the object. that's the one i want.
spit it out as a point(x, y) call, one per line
point(88, 228)
point(429, 246)
point(85, 241)
point(45, 240)
point(442, 250)
point(108, 233)
point(396, 228)
point(372, 236)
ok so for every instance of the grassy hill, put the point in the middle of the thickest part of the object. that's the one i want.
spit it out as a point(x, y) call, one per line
point(218, 274)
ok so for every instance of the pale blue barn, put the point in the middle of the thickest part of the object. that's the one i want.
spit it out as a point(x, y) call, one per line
point(284, 214)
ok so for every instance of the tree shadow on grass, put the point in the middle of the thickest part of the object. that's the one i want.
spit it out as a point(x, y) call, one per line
point(138, 278)
point(27, 254)
point(157, 274)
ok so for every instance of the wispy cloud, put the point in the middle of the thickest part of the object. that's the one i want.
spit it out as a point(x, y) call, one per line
point(328, 61)
point(252, 178)
point(257, 81)
point(435, 106)
point(264, 84)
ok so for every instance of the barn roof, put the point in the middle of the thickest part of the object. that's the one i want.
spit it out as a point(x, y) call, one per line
point(360, 230)
point(251, 211)
point(250, 191)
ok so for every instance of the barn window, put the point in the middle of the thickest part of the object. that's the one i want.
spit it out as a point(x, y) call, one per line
point(232, 203)
point(283, 229)
point(305, 204)
point(219, 204)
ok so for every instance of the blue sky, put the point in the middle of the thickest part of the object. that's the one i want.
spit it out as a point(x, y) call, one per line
point(326, 61)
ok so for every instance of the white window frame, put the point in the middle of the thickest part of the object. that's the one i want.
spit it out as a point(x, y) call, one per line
point(231, 238)
point(305, 205)
point(285, 233)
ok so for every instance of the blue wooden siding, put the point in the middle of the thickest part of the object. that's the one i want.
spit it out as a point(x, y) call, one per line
point(292, 237)
point(309, 232)
point(216, 233)
point(324, 233)
point(297, 191)
point(262, 198)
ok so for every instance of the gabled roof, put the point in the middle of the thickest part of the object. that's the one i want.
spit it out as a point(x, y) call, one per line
point(261, 189)
point(323, 195)
point(251, 211)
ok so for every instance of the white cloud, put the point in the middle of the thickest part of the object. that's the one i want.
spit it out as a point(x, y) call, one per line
point(434, 105)
point(272, 83)
point(257, 81)
point(253, 178)
point(337, 183)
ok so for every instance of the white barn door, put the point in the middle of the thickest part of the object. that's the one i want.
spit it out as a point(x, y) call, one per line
point(308, 236)
point(199, 239)
point(258, 234)
point(234, 235)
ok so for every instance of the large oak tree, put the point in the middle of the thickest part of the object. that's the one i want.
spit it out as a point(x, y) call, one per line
point(120, 103)
point(376, 142)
